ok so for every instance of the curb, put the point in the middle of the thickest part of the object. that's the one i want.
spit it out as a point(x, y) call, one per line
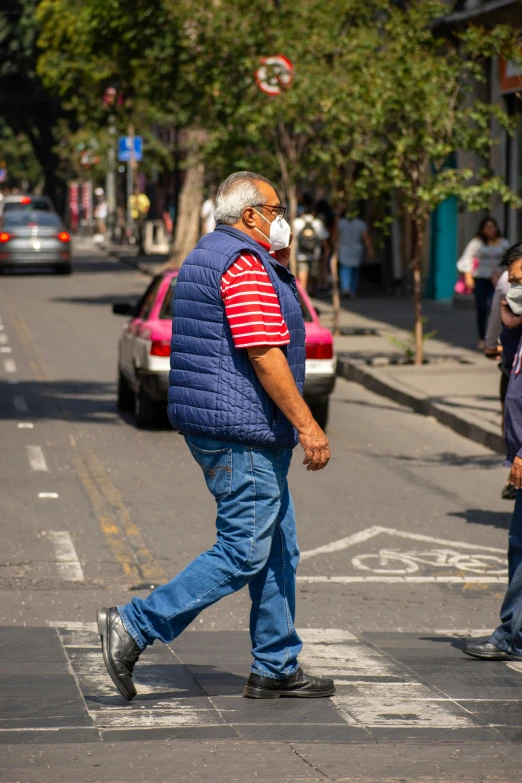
point(360, 373)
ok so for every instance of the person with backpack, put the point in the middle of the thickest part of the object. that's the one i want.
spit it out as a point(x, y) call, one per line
point(310, 235)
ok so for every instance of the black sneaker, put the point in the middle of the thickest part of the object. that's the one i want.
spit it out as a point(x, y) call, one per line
point(297, 685)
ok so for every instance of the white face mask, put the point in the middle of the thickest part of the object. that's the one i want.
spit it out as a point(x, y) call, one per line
point(279, 233)
point(514, 299)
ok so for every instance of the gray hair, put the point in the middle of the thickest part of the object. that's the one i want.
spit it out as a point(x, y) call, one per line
point(235, 194)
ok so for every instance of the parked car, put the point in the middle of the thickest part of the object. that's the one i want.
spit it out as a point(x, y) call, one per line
point(144, 354)
point(34, 238)
point(26, 202)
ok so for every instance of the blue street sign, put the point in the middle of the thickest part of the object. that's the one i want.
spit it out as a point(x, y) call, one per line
point(124, 148)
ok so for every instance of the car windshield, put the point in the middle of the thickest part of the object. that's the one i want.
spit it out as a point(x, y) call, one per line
point(22, 218)
point(34, 203)
point(166, 307)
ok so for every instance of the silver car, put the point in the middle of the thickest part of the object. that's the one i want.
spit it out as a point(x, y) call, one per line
point(21, 200)
point(34, 238)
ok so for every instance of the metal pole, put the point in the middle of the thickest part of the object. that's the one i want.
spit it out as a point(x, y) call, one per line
point(130, 176)
point(110, 182)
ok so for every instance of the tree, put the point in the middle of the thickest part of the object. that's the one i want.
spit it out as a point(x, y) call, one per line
point(423, 111)
point(26, 107)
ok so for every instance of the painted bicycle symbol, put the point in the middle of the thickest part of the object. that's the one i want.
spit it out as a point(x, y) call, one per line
point(393, 561)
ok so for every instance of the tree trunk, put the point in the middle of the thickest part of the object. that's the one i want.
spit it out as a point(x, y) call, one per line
point(189, 203)
point(420, 228)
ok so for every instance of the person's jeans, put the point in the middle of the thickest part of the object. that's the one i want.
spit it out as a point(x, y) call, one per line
point(256, 546)
point(349, 278)
point(508, 635)
point(483, 292)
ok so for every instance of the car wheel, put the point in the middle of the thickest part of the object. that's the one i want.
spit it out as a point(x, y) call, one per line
point(145, 409)
point(320, 412)
point(63, 269)
point(125, 394)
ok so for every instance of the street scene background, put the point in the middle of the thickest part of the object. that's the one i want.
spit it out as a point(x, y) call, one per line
point(402, 116)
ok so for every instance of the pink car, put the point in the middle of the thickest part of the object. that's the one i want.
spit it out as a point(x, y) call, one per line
point(144, 354)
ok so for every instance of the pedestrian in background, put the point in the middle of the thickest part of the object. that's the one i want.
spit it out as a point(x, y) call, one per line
point(310, 235)
point(353, 239)
point(208, 222)
point(480, 264)
point(505, 643)
point(238, 360)
point(494, 351)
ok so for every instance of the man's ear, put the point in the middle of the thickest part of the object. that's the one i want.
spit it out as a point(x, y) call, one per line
point(249, 217)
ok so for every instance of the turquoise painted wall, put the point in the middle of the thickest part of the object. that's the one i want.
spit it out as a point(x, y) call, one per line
point(443, 250)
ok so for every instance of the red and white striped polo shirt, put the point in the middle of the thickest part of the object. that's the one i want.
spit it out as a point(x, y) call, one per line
point(251, 304)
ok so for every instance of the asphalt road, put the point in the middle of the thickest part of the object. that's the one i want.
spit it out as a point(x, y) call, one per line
point(402, 540)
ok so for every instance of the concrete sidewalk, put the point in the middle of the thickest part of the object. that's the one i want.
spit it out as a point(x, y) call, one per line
point(459, 386)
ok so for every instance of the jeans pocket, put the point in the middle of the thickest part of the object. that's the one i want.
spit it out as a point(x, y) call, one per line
point(216, 465)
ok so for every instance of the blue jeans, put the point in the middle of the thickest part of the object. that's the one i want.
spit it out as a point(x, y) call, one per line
point(483, 292)
point(256, 546)
point(508, 635)
point(349, 278)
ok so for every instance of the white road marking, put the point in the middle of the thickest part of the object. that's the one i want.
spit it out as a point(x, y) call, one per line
point(9, 365)
point(457, 580)
point(371, 532)
point(343, 543)
point(36, 458)
point(20, 403)
point(48, 494)
point(25, 425)
point(106, 709)
point(373, 690)
point(5, 349)
point(66, 557)
point(464, 632)
point(3, 338)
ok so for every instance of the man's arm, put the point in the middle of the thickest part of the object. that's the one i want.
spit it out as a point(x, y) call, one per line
point(277, 380)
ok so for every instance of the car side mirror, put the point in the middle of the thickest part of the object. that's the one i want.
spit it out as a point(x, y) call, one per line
point(123, 308)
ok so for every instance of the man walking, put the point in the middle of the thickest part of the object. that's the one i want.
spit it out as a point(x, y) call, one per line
point(505, 643)
point(237, 373)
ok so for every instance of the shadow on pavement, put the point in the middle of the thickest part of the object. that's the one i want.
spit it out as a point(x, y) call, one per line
point(478, 516)
point(451, 459)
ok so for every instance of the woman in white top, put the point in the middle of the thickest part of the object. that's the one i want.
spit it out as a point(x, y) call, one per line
point(480, 264)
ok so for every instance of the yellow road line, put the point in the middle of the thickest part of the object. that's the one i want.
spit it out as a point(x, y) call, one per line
point(27, 345)
point(127, 529)
point(122, 535)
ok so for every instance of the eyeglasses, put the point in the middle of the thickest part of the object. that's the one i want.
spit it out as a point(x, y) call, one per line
point(278, 212)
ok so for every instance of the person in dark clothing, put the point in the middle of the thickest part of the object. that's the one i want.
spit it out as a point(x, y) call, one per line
point(505, 643)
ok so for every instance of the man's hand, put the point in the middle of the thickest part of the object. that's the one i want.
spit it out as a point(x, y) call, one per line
point(315, 446)
point(493, 353)
point(516, 473)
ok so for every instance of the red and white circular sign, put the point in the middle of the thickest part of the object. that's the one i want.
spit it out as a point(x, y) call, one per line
point(274, 74)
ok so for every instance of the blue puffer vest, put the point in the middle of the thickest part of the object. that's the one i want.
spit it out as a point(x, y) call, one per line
point(213, 388)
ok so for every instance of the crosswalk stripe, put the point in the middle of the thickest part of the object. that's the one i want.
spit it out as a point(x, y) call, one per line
point(372, 690)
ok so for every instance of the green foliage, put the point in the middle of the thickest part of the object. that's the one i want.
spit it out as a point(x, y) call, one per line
point(17, 152)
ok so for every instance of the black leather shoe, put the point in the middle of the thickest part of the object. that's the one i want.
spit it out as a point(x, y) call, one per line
point(120, 651)
point(298, 684)
point(481, 648)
